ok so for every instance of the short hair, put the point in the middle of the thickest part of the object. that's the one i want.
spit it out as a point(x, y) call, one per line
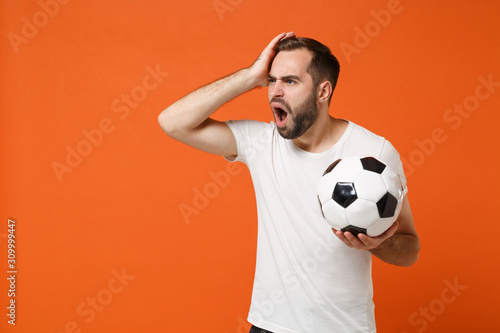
point(323, 64)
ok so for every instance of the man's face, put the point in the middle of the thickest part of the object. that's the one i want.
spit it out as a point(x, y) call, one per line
point(292, 95)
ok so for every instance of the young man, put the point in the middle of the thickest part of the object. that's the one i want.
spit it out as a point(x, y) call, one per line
point(307, 279)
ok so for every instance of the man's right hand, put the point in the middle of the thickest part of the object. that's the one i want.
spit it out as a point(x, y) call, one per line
point(260, 68)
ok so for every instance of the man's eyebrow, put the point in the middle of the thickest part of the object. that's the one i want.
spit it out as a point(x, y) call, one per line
point(286, 77)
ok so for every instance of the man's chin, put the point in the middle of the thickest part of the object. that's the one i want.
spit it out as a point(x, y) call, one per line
point(287, 133)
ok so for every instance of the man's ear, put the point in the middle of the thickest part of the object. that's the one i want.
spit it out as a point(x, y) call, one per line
point(324, 91)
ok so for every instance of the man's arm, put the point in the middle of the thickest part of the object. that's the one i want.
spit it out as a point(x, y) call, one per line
point(187, 120)
point(399, 245)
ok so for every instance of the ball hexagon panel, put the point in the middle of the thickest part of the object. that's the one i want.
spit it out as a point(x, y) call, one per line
point(379, 227)
point(347, 169)
point(335, 214)
point(370, 186)
point(362, 213)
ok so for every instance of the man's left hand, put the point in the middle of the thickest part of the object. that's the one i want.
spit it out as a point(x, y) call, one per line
point(364, 242)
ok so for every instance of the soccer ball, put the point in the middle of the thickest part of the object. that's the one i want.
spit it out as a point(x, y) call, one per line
point(360, 195)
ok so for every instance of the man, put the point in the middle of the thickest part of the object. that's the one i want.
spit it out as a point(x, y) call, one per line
point(307, 278)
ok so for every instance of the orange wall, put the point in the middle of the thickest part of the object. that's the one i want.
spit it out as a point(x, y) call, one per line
point(98, 192)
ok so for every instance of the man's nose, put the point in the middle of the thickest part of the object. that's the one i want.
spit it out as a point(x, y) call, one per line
point(276, 89)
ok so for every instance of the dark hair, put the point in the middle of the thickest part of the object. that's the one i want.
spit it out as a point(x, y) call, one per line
point(323, 64)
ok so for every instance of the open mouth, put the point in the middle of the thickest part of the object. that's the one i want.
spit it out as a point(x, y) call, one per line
point(280, 113)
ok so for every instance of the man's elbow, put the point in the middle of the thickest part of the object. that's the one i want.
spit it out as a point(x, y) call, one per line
point(415, 253)
point(410, 261)
point(166, 124)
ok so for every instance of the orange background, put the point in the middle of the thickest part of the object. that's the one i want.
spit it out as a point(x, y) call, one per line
point(119, 210)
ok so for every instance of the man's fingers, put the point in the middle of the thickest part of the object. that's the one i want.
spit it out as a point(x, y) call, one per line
point(362, 241)
point(288, 35)
point(359, 242)
point(367, 241)
point(271, 47)
point(340, 235)
point(349, 239)
point(272, 44)
point(373, 242)
point(355, 241)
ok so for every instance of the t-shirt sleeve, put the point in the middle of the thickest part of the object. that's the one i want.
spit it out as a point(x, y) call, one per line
point(390, 156)
point(249, 135)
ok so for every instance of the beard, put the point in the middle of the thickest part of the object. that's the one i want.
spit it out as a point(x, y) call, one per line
point(300, 119)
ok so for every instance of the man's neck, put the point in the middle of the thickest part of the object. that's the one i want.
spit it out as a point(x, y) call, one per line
point(322, 135)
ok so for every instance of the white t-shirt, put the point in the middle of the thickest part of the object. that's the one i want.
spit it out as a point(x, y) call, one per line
point(306, 279)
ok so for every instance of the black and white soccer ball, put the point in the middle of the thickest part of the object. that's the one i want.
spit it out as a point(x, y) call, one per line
point(360, 195)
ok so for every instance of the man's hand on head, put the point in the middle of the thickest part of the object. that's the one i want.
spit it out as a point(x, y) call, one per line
point(259, 70)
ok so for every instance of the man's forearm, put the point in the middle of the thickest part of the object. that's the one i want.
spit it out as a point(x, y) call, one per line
point(189, 112)
point(400, 249)
point(194, 108)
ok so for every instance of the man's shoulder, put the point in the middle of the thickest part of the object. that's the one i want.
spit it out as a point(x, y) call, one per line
point(360, 138)
point(366, 142)
point(360, 131)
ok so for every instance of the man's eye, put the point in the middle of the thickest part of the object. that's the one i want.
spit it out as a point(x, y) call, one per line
point(290, 81)
point(271, 80)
